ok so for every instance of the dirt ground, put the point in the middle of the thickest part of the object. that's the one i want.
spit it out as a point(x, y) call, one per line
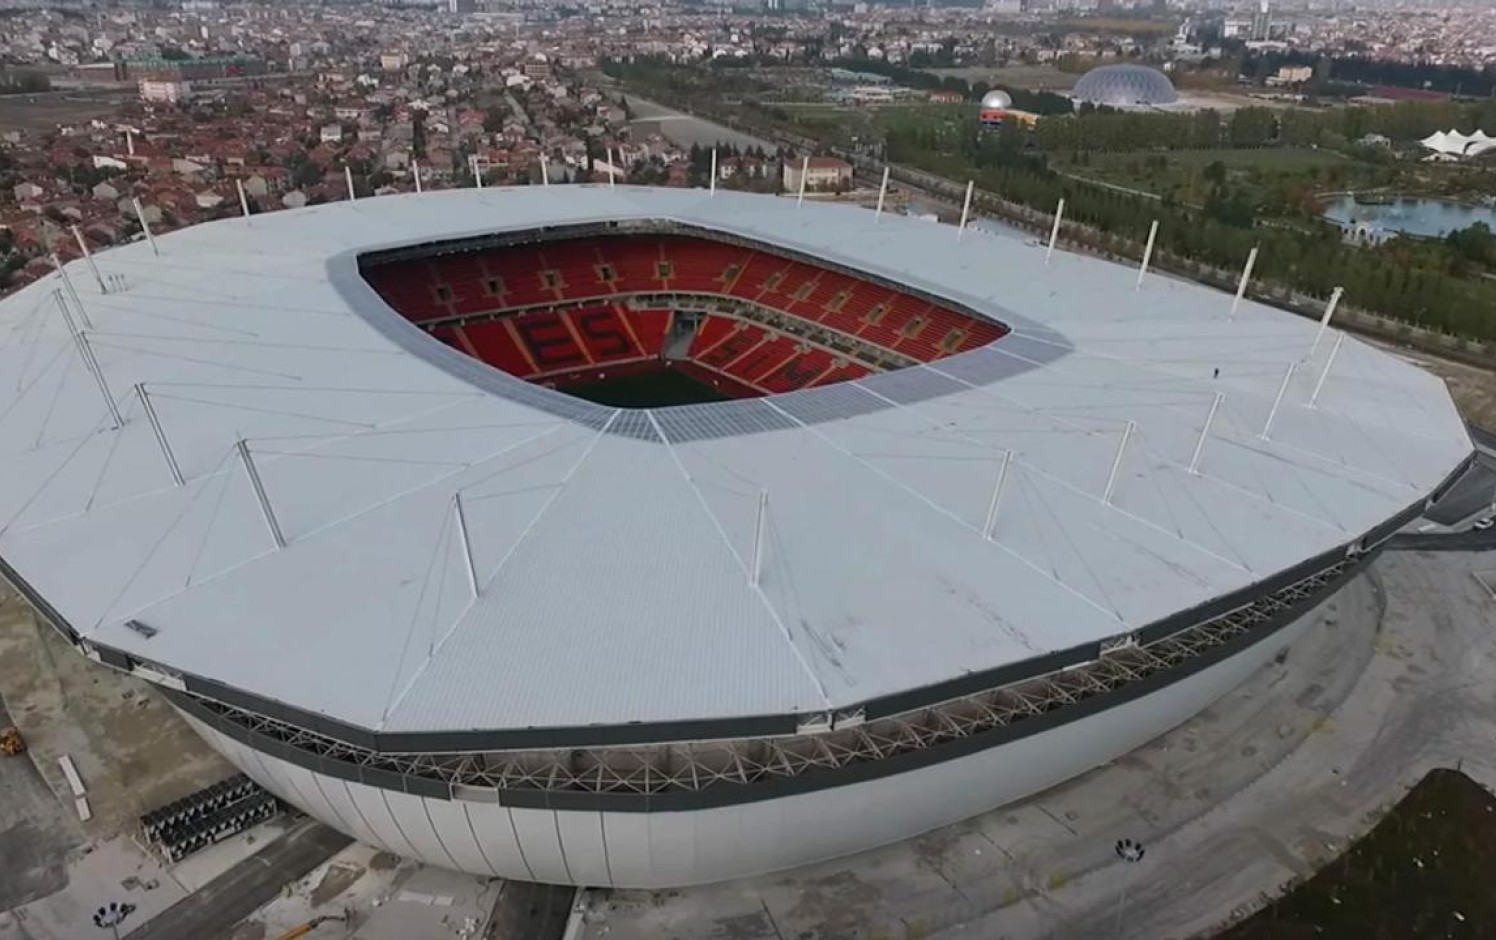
point(1472, 388)
point(132, 751)
point(1424, 871)
point(44, 112)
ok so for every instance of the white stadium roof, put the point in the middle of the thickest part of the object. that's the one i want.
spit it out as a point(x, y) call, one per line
point(614, 566)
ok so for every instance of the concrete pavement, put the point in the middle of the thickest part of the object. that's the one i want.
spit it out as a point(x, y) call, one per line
point(1424, 700)
point(212, 911)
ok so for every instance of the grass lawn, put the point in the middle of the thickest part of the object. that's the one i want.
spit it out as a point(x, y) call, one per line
point(1180, 173)
point(1427, 870)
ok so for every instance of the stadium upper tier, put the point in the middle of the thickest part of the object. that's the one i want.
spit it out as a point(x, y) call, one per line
point(792, 324)
point(678, 572)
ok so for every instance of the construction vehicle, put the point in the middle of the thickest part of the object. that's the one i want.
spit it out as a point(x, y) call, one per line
point(301, 930)
point(11, 742)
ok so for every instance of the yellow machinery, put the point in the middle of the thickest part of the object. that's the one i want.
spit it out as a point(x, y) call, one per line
point(11, 742)
point(301, 930)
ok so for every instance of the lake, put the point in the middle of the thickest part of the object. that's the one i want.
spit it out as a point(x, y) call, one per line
point(1430, 218)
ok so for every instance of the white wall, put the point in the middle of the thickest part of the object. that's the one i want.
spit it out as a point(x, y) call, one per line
point(651, 850)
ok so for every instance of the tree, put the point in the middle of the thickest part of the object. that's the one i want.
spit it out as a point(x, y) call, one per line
point(305, 173)
point(418, 134)
point(1475, 244)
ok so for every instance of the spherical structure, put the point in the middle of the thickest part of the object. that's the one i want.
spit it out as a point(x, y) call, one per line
point(905, 527)
point(1125, 86)
point(997, 99)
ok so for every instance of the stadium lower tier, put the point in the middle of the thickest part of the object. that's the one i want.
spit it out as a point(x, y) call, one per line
point(688, 813)
point(545, 311)
point(569, 348)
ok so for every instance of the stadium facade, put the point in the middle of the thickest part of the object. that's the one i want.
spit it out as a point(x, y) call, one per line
point(970, 521)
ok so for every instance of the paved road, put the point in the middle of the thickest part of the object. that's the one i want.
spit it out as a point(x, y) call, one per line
point(1482, 437)
point(685, 129)
point(527, 911)
point(1467, 541)
point(1474, 492)
point(213, 911)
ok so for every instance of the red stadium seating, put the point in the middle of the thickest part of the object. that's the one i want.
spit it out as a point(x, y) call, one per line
point(495, 343)
point(649, 327)
point(799, 371)
point(512, 292)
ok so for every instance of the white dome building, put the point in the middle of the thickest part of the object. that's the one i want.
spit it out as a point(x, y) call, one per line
point(1125, 86)
point(997, 105)
point(997, 99)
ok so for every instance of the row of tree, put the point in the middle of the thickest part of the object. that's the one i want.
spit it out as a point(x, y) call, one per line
point(1359, 70)
point(23, 83)
point(1399, 279)
point(1037, 102)
point(1259, 127)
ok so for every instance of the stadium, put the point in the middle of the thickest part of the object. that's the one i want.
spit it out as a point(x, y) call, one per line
point(619, 536)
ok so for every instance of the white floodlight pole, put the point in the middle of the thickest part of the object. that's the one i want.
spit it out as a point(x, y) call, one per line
point(1111, 478)
point(1324, 321)
point(882, 192)
point(804, 172)
point(545, 171)
point(1272, 413)
point(1205, 432)
point(473, 168)
point(415, 167)
point(90, 363)
point(712, 185)
point(758, 535)
point(971, 186)
point(1147, 253)
point(145, 227)
point(1325, 372)
point(997, 495)
point(259, 488)
point(348, 175)
point(88, 256)
point(67, 282)
point(467, 545)
point(1054, 230)
point(1246, 275)
point(612, 170)
point(150, 415)
point(243, 199)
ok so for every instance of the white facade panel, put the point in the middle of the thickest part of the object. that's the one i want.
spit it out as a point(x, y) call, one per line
point(337, 816)
point(586, 850)
point(376, 813)
point(312, 798)
point(450, 820)
point(541, 841)
point(628, 846)
point(672, 847)
point(341, 800)
point(410, 814)
point(498, 839)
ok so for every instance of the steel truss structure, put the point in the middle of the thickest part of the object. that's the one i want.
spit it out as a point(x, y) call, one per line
point(840, 741)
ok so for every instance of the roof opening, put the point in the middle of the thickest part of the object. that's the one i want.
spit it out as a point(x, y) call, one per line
point(653, 319)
